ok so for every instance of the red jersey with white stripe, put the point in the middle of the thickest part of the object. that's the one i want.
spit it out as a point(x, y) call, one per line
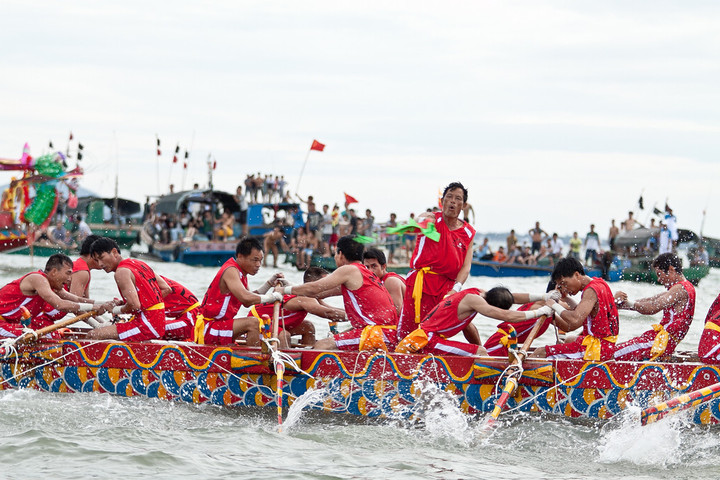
point(677, 323)
point(222, 306)
point(288, 319)
point(606, 322)
point(145, 283)
point(179, 300)
point(443, 319)
point(370, 304)
point(446, 256)
point(494, 344)
point(80, 265)
point(12, 299)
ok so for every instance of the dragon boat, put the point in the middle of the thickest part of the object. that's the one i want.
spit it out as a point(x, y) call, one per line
point(357, 383)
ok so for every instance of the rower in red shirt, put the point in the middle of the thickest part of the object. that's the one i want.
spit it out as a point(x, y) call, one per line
point(295, 310)
point(438, 267)
point(709, 347)
point(216, 323)
point(677, 305)
point(374, 260)
point(140, 289)
point(456, 311)
point(25, 301)
point(596, 313)
point(368, 305)
point(80, 280)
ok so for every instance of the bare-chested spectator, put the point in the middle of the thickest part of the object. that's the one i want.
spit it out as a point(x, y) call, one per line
point(614, 231)
point(513, 254)
point(511, 240)
point(537, 235)
point(273, 240)
point(526, 257)
point(310, 247)
point(630, 222)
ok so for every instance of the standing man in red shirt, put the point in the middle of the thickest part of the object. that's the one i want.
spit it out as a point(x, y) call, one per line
point(216, 323)
point(368, 305)
point(140, 289)
point(438, 267)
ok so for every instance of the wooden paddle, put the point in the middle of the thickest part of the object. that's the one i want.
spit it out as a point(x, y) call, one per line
point(279, 365)
point(511, 382)
point(56, 326)
point(679, 403)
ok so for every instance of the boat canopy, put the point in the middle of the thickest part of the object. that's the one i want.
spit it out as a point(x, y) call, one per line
point(640, 236)
point(177, 202)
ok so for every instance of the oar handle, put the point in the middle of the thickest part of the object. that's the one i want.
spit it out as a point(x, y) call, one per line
point(530, 338)
point(680, 403)
point(276, 320)
point(56, 326)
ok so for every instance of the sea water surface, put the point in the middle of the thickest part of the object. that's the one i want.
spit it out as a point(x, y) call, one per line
point(89, 435)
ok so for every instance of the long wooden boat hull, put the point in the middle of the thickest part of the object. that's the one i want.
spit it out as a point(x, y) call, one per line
point(366, 384)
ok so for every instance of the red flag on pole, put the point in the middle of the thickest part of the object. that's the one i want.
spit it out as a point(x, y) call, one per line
point(349, 199)
point(174, 158)
point(71, 136)
point(317, 146)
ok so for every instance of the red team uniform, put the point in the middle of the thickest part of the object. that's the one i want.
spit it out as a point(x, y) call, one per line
point(214, 323)
point(665, 336)
point(368, 306)
point(709, 348)
point(597, 341)
point(287, 320)
point(149, 322)
point(443, 323)
point(497, 344)
point(181, 308)
point(81, 265)
point(435, 268)
point(18, 310)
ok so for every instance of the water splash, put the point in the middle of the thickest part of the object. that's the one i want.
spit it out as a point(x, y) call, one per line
point(625, 439)
point(313, 396)
point(440, 412)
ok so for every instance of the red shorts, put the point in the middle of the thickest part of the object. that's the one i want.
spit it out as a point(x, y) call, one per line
point(709, 347)
point(350, 340)
point(181, 327)
point(638, 348)
point(148, 325)
point(219, 332)
point(442, 346)
point(576, 350)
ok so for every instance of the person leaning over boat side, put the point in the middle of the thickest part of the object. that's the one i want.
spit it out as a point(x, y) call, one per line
point(374, 259)
point(438, 267)
point(216, 323)
point(181, 310)
point(596, 313)
point(295, 309)
point(80, 280)
point(368, 305)
point(456, 312)
point(140, 289)
point(709, 347)
point(516, 333)
point(677, 305)
point(23, 302)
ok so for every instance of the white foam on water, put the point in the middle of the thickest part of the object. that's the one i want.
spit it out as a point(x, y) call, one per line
point(626, 440)
point(312, 396)
point(440, 413)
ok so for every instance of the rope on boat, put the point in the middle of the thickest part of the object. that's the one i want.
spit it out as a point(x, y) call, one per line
point(554, 387)
point(54, 360)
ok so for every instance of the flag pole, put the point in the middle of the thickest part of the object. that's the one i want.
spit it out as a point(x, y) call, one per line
point(302, 170)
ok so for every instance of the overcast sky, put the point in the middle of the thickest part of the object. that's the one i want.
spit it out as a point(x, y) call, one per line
point(562, 112)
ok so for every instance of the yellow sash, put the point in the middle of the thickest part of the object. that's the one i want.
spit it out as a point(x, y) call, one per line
point(414, 342)
point(157, 306)
point(508, 338)
point(712, 326)
point(661, 341)
point(372, 337)
point(418, 289)
point(592, 346)
point(190, 308)
point(200, 329)
point(254, 313)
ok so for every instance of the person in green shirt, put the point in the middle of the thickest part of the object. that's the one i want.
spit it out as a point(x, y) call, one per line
point(575, 245)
